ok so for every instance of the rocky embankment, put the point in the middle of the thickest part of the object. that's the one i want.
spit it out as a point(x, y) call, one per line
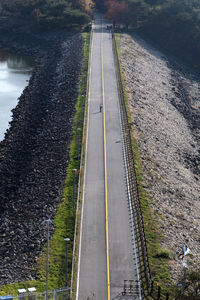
point(165, 103)
point(34, 153)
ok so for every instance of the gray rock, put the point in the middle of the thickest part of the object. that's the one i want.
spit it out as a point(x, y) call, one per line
point(167, 126)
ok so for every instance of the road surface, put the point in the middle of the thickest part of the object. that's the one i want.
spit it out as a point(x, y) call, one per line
point(106, 256)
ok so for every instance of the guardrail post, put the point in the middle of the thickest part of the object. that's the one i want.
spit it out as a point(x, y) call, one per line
point(167, 296)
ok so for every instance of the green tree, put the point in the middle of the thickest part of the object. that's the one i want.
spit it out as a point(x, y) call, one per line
point(48, 13)
point(20, 7)
point(60, 13)
point(138, 11)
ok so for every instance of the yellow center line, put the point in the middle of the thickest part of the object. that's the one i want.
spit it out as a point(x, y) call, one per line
point(105, 168)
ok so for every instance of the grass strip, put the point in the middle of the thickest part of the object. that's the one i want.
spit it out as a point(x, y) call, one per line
point(158, 257)
point(64, 221)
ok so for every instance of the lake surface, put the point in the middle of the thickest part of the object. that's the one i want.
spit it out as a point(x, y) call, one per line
point(15, 72)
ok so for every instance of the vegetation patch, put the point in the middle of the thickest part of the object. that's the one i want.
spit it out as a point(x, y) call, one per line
point(64, 221)
point(47, 14)
point(172, 24)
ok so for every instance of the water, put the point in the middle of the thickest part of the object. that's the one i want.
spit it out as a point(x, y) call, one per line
point(15, 72)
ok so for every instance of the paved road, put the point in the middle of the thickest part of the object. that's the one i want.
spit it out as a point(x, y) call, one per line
point(106, 255)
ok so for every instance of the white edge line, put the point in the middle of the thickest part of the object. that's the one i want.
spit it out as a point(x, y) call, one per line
point(83, 199)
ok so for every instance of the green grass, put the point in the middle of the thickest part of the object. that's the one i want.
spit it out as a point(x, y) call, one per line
point(64, 220)
point(158, 257)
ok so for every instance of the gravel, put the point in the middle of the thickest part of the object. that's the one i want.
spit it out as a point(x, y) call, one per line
point(164, 100)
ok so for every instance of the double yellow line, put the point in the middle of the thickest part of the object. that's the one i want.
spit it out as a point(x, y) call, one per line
point(105, 170)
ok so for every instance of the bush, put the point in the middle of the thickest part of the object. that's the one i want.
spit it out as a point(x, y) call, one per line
point(163, 254)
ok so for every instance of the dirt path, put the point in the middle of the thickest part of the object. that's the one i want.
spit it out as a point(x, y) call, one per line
point(165, 105)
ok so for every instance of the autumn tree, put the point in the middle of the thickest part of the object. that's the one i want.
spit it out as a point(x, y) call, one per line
point(125, 12)
point(117, 11)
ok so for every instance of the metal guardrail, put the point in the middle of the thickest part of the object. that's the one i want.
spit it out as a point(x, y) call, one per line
point(149, 289)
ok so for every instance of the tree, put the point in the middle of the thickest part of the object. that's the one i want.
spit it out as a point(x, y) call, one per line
point(20, 7)
point(60, 14)
point(100, 4)
point(138, 10)
point(48, 13)
point(117, 11)
point(126, 12)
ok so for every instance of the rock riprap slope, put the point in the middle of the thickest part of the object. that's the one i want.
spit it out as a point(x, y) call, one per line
point(34, 156)
point(165, 106)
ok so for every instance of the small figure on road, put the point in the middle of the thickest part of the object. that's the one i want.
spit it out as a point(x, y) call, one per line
point(100, 107)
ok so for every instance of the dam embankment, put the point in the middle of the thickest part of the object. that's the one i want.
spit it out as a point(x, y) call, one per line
point(34, 153)
point(164, 103)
